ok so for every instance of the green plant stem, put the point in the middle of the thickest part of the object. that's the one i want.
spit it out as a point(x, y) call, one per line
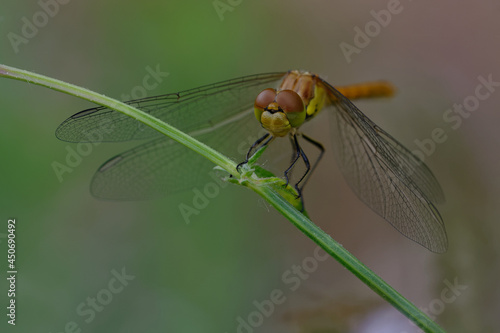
point(147, 119)
point(344, 257)
point(332, 247)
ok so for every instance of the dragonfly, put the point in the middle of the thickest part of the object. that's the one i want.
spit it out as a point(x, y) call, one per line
point(239, 116)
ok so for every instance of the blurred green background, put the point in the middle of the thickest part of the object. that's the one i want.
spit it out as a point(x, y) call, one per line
point(204, 276)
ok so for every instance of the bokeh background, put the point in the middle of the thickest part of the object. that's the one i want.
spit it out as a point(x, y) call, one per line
point(205, 275)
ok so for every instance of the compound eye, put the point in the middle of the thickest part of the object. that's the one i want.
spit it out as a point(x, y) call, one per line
point(290, 101)
point(265, 98)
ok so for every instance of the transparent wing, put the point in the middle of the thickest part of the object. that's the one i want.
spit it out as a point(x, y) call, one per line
point(219, 115)
point(163, 166)
point(154, 169)
point(387, 176)
point(192, 110)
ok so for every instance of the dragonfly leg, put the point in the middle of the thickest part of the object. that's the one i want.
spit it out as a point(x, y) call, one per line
point(294, 153)
point(253, 147)
point(321, 152)
point(308, 169)
point(298, 152)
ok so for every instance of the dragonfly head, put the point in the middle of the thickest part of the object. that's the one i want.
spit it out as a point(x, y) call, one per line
point(279, 111)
